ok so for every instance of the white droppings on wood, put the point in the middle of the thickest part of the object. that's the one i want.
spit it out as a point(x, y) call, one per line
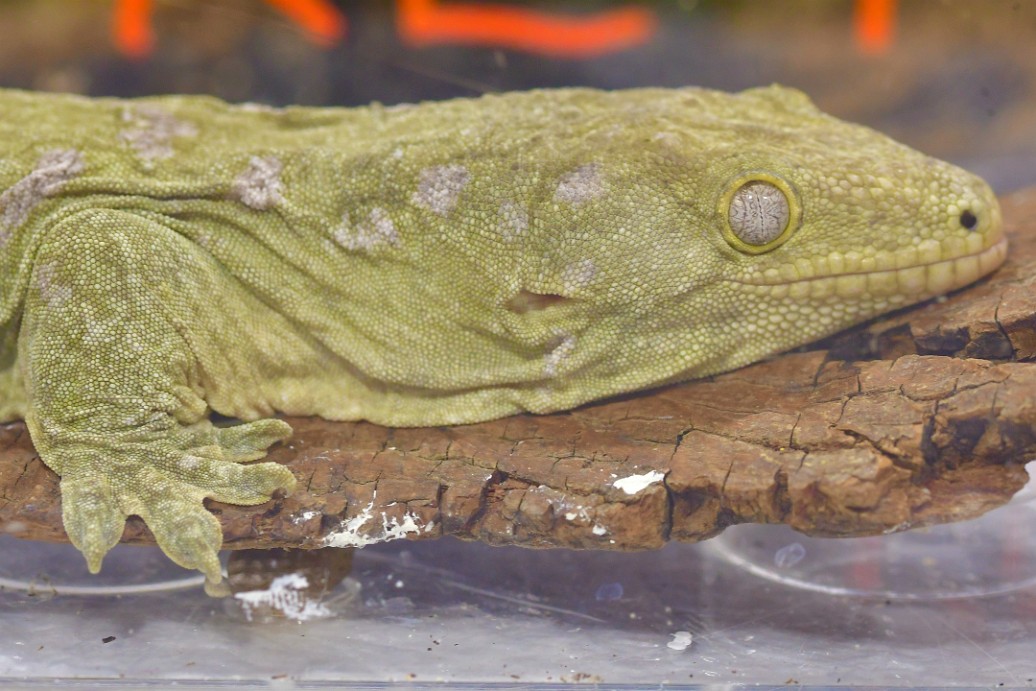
point(581, 185)
point(579, 513)
point(375, 231)
point(637, 483)
point(52, 171)
point(439, 188)
point(353, 533)
point(259, 186)
point(304, 517)
point(150, 131)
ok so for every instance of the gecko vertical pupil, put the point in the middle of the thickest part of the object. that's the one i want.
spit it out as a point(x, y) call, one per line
point(968, 219)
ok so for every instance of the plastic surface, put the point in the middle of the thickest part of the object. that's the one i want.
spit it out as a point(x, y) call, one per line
point(951, 605)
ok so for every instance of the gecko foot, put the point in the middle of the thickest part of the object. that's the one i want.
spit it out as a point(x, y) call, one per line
point(164, 481)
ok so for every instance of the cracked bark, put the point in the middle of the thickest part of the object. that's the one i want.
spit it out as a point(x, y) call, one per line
point(923, 417)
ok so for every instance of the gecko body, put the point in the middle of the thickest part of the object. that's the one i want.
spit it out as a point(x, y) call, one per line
point(433, 264)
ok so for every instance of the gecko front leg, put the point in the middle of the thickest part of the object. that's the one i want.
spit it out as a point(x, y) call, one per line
point(116, 400)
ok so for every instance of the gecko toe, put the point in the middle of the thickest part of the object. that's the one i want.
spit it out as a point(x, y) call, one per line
point(249, 441)
point(187, 533)
point(239, 484)
point(92, 517)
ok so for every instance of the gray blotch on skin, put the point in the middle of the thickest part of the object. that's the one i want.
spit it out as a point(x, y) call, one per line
point(439, 187)
point(578, 275)
point(52, 171)
point(376, 230)
point(559, 349)
point(581, 185)
point(259, 186)
point(52, 292)
point(514, 220)
point(150, 131)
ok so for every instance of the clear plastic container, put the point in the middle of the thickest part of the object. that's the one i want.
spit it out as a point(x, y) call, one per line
point(949, 605)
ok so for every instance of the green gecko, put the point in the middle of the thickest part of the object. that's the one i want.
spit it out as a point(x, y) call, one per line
point(430, 264)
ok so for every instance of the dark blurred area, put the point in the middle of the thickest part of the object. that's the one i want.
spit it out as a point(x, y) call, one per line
point(954, 78)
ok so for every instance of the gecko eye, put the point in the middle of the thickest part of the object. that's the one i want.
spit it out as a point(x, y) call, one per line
point(760, 212)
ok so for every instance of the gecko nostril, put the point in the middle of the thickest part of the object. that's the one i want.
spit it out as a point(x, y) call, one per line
point(968, 219)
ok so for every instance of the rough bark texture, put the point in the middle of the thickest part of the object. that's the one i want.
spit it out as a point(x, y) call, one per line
point(924, 417)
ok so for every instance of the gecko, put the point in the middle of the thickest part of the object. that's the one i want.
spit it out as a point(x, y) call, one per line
point(440, 263)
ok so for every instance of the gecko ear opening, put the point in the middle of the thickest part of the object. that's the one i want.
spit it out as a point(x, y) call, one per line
point(525, 301)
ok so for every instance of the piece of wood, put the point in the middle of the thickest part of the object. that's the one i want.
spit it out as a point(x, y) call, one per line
point(923, 417)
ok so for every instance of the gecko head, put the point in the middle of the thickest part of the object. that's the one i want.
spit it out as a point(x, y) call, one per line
point(734, 227)
point(818, 224)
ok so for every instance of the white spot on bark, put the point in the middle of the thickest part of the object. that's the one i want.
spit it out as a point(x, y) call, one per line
point(52, 292)
point(581, 185)
point(560, 348)
point(286, 594)
point(52, 171)
point(305, 516)
point(150, 131)
point(514, 220)
point(351, 533)
point(636, 483)
point(599, 530)
point(578, 275)
point(578, 513)
point(439, 187)
point(378, 229)
point(259, 186)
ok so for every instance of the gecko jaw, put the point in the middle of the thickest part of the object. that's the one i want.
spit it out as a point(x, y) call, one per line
point(898, 285)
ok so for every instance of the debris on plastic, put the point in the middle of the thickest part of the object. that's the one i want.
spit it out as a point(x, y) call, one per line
point(681, 640)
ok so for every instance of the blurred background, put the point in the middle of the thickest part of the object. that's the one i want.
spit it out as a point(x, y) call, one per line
point(954, 78)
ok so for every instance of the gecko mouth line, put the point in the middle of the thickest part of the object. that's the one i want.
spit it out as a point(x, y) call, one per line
point(920, 280)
